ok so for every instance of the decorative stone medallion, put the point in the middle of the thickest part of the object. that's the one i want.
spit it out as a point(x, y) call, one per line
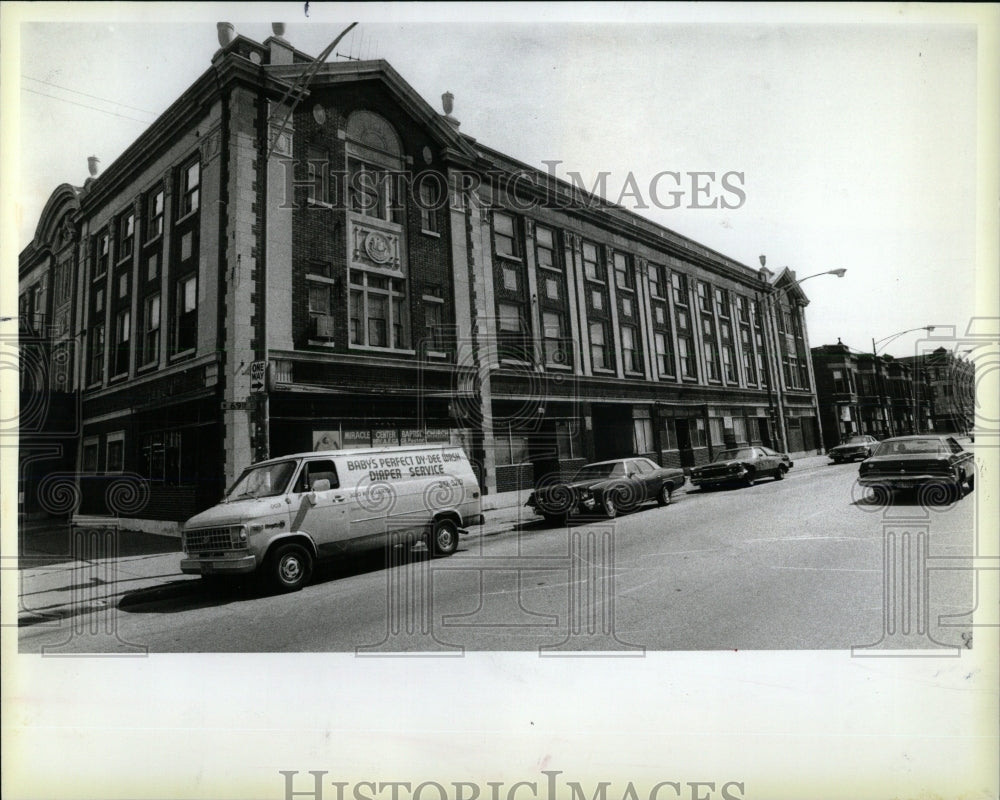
point(377, 247)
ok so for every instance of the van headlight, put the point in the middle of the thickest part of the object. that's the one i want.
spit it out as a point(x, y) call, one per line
point(239, 534)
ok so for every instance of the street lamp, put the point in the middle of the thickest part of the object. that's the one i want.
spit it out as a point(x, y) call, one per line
point(882, 400)
point(770, 301)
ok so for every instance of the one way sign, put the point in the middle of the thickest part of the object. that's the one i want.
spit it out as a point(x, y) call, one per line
point(257, 376)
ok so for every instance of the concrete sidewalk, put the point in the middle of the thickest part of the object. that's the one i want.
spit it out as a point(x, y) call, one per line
point(66, 571)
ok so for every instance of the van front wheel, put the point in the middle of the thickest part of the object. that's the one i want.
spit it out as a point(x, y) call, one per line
point(290, 567)
point(444, 537)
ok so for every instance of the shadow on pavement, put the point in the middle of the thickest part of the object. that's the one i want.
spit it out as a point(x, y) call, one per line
point(211, 591)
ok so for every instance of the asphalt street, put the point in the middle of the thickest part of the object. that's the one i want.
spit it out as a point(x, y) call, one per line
point(804, 563)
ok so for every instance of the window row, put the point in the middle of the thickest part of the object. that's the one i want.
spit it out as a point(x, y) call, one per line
point(143, 339)
point(152, 209)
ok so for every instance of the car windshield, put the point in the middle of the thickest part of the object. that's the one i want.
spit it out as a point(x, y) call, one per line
point(612, 469)
point(739, 454)
point(903, 447)
point(856, 440)
point(267, 480)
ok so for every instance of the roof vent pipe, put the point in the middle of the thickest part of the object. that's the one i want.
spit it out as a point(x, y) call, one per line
point(92, 162)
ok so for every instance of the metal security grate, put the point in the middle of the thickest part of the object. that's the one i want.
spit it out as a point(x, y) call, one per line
point(207, 539)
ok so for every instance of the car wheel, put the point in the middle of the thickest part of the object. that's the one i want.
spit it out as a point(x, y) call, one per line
point(558, 520)
point(444, 537)
point(748, 478)
point(609, 506)
point(290, 567)
point(665, 496)
point(881, 495)
point(779, 474)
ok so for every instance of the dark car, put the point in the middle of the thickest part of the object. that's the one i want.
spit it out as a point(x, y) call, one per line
point(742, 465)
point(852, 448)
point(912, 462)
point(606, 488)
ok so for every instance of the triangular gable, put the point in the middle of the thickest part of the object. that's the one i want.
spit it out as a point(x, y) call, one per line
point(339, 73)
point(787, 284)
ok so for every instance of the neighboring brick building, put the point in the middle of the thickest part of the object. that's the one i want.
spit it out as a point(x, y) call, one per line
point(949, 387)
point(401, 282)
point(886, 396)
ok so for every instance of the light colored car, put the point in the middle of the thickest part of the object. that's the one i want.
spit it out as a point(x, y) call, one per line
point(284, 514)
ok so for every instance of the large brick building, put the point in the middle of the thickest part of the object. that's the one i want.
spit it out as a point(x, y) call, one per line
point(280, 264)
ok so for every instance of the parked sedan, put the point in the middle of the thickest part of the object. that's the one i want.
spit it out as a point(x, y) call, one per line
point(606, 488)
point(742, 465)
point(911, 462)
point(852, 448)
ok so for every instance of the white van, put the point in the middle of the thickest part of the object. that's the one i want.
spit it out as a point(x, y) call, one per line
point(283, 514)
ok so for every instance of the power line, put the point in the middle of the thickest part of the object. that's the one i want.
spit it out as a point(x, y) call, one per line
point(84, 105)
point(92, 96)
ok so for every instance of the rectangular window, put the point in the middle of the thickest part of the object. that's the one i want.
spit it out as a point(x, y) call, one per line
point(190, 187)
point(554, 338)
point(116, 453)
point(153, 267)
point(377, 311)
point(151, 329)
point(591, 263)
point(655, 280)
point(642, 435)
point(319, 298)
point(685, 352)
point(123, 334)
point(512, 334)
point(99, 301)
point(598, 346)
point(704, 297)
point(317, 170)
point(126, 235)
point(101, 254)
point(748, 365)
point(744, 310)
point(123, 285)
point(630, 352)
point(505, 240)
point(545, 248)
point(154, 214)
point(678, 283)
point(623, 273)
point(664, 358)
point(375, 193)
point(722, 302)
point(729, 364)
point(89, 459)
point(429, 203)
point(510, 279)
point(186, 314)
point(434, 324)
point(711, 361)
point(96, 372)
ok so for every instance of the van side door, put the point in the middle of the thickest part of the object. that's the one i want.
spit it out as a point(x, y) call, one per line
point(319, 506)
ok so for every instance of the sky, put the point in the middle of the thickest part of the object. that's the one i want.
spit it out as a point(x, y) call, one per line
point(853, 142)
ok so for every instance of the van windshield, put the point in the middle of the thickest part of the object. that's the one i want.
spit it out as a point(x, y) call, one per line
point(266, 480)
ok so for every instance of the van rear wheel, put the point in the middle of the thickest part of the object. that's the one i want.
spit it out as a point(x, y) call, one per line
point(444, 537)
point(290, 567)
